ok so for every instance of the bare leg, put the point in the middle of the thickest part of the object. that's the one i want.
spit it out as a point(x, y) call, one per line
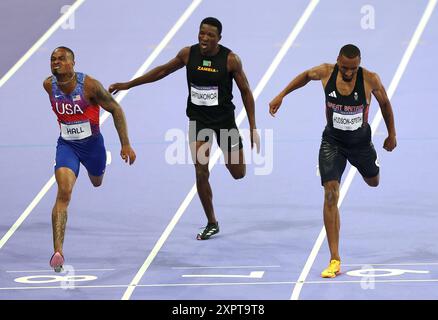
point(332, 220)
point(65, 179)
point(235, 162)
point(200, 154)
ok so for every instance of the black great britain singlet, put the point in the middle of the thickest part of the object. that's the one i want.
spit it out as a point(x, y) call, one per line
point(347, 116)
point(210, 87)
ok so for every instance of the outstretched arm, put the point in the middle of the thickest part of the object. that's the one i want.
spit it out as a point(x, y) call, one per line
point(155, 74)
point(385, 106)
point(316, 73)
point(96, 93)
point(235, 67)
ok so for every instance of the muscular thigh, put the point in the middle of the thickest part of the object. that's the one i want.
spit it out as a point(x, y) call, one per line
point(332, 162)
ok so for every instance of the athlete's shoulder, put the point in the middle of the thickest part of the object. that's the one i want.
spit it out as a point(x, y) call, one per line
point(233, 56)
point(47, 84)
point(185, 51)
point(188, 48)
point(233, 61)
point(90, 82)
point(321, 71)
point(371, 77)
point(326, 68)
point(92, 87)
point(184, 54)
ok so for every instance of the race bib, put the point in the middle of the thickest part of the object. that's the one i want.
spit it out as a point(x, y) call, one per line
point(204, 96)
point(75, 131)
point(347, 122)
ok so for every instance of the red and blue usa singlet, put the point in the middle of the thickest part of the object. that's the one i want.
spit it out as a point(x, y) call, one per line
point(80, 140)
point(77, 118)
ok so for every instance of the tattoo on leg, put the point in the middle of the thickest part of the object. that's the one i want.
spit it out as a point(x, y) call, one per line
point(59, 223)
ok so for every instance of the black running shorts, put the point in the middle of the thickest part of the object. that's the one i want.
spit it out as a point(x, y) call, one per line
point(333, 159)
point(227, 135)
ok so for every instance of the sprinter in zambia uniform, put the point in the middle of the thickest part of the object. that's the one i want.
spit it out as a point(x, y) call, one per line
point(211, 69)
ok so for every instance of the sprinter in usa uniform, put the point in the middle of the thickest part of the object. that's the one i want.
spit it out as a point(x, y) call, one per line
point(76, 99)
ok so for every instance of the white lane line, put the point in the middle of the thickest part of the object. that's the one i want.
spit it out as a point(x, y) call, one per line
point(218, 284)
point(391, 264)
point(226, 267)
point(27, 211)
point(330, 281)
point(252, 274)
point(60, 287)
point(40, 42)
point(109, 158)
point(3, 80)
point(280, 55)
point(51, 270)
point(376, 121)
point(149, 60)
point(187, 13)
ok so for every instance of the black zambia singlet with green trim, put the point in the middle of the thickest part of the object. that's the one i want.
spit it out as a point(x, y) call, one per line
point(210, 87)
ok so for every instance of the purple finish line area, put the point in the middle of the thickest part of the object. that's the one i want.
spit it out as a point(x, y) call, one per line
point(134, 237)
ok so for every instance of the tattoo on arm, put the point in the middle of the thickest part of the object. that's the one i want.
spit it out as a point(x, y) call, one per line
point(103, 97)
point(107, 102)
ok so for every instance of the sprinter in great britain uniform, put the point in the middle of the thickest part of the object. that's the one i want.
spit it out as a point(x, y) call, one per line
point(211, 69)
point(75, 99)
point(347, 135)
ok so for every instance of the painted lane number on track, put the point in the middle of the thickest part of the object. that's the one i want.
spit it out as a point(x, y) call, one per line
point(66, 280)
point(372, 272)
point(50, 279)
